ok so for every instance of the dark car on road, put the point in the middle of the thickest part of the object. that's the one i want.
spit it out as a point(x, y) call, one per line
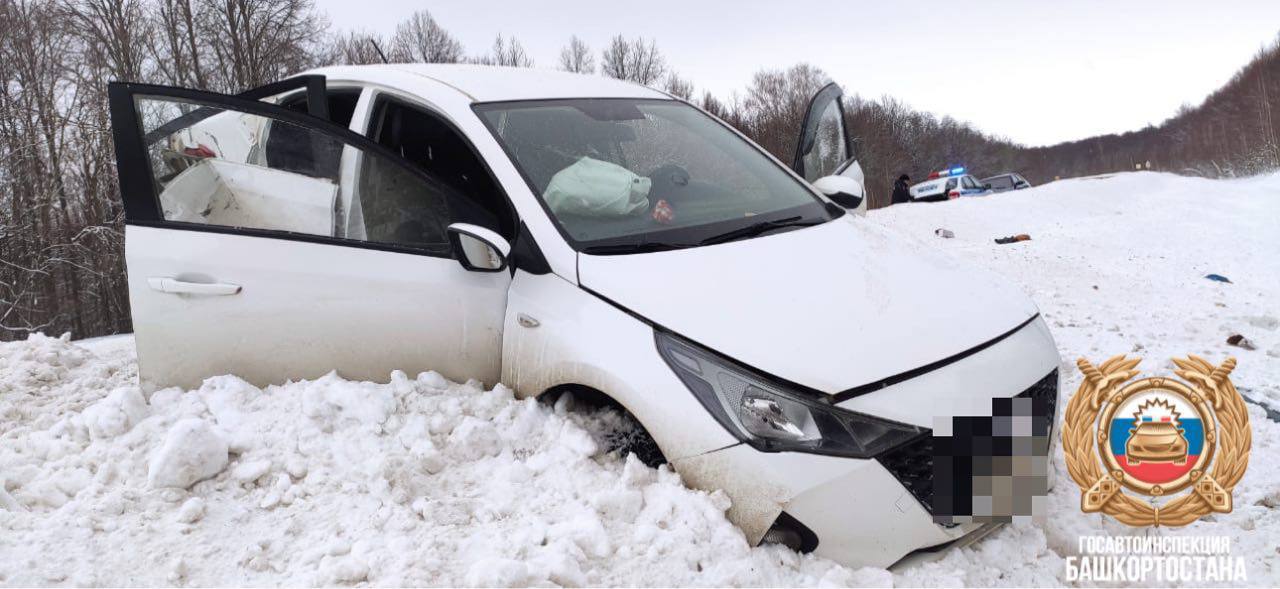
point(1008, 181)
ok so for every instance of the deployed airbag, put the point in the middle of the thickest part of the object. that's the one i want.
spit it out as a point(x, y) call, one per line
point(595, 188)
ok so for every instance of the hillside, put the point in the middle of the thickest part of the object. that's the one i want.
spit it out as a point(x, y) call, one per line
point(1233, 133)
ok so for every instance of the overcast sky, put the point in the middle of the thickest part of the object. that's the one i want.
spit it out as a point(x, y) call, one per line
point(1037, 72)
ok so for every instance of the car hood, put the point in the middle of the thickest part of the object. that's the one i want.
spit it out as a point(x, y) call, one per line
point(830, 307)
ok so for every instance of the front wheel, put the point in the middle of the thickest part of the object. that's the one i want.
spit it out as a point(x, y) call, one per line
point(613, 427)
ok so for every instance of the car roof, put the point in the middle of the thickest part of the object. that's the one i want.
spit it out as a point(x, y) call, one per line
point(484, 83)
point(999, 175)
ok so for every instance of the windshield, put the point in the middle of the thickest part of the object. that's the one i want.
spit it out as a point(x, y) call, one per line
point(622, 173)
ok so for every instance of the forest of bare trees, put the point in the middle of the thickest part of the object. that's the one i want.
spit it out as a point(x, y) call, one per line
point(1232, 133)
point(61, 225)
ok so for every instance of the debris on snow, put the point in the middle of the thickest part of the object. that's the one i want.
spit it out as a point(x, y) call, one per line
point(1013, 239)
point(1240, 341)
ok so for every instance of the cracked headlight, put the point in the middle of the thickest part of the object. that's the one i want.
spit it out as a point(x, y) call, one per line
point(772, 416)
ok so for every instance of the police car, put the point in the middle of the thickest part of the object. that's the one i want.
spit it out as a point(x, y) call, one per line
point(947, 184)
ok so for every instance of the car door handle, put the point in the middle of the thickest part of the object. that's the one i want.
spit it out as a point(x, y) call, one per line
point(175, 286)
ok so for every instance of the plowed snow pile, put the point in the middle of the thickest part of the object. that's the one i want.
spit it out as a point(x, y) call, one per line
point(421, 481)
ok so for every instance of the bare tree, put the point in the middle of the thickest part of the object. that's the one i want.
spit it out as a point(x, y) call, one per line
point(114, 33)
point(678, 86)
point(358, 48)
point(576, 57)
point(775, 104)
point(633, 60)
point(421, 39)
point(175, 49)
point(263, 40)
point(62, 266)
point(713, 105)
point(506, 52)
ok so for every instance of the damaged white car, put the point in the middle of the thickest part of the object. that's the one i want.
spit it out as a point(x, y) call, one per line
point(566, 233)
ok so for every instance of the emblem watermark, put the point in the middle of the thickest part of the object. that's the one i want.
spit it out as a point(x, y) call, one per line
point(1155, 559)
point(1156, 437)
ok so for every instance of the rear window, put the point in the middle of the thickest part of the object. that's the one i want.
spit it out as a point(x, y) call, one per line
point(1000, 182)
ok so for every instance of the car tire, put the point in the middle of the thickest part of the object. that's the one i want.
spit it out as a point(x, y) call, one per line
point(612, 426)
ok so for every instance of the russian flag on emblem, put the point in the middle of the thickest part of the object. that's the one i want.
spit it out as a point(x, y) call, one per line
point(1156, 437)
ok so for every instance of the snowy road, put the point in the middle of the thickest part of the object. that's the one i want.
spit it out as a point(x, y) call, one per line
point(420, 481)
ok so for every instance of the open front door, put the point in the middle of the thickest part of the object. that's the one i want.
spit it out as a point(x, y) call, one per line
point(274, 245)
point(825, 145)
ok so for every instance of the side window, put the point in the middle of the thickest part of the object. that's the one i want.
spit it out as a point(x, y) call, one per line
point(341, 102)
point(434, 148)
point(219, 166)
point(968, 182)
point(823, 146)
point(282, 139)
point(828, 150)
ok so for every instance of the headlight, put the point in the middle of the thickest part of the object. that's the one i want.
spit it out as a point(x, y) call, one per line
point(773, 417)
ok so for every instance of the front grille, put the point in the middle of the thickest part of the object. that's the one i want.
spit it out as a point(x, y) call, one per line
point(912, 463)
point(1046, 391)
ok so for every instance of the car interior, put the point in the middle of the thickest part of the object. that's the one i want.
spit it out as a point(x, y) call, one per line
point(547, 140)
point(292, 148)
point(435, 148)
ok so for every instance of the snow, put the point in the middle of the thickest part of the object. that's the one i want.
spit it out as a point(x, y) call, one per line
point(422, 481)
point(191, 452)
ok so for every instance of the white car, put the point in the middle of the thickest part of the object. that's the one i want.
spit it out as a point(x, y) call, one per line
point(948, 184)
point(567, 233)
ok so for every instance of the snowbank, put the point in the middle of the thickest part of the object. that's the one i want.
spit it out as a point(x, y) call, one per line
point(421, 481)
point(418, 481)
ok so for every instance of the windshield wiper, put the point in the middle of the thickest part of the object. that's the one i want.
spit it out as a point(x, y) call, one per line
point(760, 228)
point(634, 248)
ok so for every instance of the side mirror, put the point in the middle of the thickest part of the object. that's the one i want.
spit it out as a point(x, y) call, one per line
point(478, 249)
point(987, 186)
point(842, 190)
point(1021, 185)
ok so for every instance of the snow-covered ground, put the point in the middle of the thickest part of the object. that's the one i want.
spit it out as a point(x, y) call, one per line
point(420, 481)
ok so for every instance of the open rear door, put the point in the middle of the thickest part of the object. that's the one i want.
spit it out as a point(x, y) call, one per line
point(825, 145)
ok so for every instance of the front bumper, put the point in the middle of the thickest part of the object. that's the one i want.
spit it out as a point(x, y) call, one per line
point(862, 516)
point(873, 512)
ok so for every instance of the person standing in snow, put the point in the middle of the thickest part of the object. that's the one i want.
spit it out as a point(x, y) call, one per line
point(900, 190)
